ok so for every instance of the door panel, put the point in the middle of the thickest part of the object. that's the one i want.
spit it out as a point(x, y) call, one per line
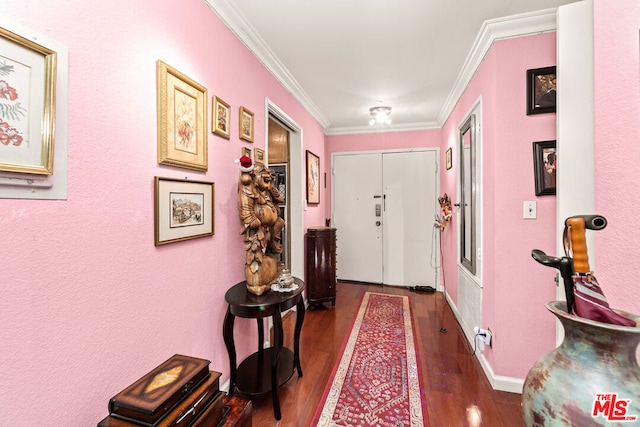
point(410, 190)
point(357, 180)
point(399, 251)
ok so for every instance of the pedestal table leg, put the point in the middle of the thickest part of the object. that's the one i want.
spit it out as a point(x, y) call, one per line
point(277, 346)
point(300, 310)
point(260, 336)
point(227, 333)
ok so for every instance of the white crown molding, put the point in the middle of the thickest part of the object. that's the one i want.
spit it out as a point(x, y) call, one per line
point(238, 24)
point(496, 29)
point(402, 127)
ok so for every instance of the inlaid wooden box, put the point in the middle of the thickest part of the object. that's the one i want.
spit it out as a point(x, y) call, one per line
point(151, 398)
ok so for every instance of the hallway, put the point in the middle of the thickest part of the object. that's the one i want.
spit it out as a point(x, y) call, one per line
point(455, 386)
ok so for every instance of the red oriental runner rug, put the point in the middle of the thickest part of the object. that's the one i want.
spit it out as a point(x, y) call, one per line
point(377, 382)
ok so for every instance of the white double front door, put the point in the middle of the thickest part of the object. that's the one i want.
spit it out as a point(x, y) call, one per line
point(384, 209)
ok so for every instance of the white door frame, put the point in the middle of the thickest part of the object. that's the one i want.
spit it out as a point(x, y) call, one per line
point(295, 223)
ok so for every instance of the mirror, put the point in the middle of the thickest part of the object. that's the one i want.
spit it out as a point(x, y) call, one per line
point(467, 196)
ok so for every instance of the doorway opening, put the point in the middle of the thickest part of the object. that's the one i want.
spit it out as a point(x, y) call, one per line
point(293, 241)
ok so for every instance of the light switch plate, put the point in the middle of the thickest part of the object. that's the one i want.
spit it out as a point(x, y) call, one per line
point(529, 210)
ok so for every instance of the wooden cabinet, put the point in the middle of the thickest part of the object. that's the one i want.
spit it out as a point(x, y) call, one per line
point(320, 272)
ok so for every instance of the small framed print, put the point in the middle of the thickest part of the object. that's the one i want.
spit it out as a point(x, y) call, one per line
point(541, 90)
point(183, 210)
point(220, 117)
point(246, 124)
point(449, 158)
point(545, 167)
point(258, 155)
point(313, 178)
point(182, 120)
point(246, 152)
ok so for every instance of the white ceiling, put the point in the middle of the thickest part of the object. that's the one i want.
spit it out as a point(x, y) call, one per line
point(341, 57)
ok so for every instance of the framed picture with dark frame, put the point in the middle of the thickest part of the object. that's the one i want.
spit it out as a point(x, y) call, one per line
point(541, 90)
point(183, 210)
point(313, 178)
point(545, 167)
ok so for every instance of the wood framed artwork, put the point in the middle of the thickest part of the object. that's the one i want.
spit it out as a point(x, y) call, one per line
point(220, 117)
point(28, 73)
point(545, 167)
point(449, 158)
point(182, 120)
point(541, 90)
point(246, 124)
point(313, 178)
point(246, 152)
point(258, 155)
point(183, 210)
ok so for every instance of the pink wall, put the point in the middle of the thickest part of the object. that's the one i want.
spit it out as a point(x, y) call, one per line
point(89, 304)
point(515, 288)
point(617, 152)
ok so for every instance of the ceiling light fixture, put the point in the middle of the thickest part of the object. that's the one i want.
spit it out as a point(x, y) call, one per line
point(380, 114)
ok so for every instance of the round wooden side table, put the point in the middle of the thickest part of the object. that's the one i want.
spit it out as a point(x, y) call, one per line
point(268, 368)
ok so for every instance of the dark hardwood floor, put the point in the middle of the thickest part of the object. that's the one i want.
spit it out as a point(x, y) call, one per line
point(457, 392)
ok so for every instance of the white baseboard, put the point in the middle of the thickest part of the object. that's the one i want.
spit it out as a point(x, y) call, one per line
point(498, 382)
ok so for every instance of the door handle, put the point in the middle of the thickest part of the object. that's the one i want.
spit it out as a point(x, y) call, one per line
point(378, 223)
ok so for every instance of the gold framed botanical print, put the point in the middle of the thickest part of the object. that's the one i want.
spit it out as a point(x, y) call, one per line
point(220, 117)
point(28, 74)
point(182, 124)
point(246, 124)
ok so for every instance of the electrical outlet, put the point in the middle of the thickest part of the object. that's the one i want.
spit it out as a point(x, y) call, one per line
point(480, 342)
point(483, 337)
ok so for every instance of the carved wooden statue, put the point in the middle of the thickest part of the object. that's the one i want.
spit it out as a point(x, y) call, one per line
point(261, 225)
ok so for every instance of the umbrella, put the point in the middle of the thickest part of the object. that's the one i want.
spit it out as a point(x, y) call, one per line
point(590, 301)
point(565, 266)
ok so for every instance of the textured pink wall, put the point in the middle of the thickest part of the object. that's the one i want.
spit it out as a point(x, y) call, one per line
point(617, 152)
point(88, 302)
point(515, 289)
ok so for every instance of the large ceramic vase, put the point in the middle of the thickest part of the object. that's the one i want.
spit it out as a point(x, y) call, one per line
point(591, 379)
